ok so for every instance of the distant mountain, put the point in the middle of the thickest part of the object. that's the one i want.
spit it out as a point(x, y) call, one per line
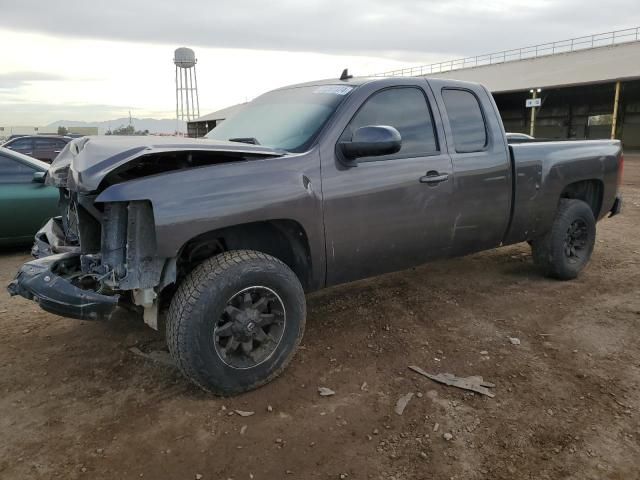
point(154, 125)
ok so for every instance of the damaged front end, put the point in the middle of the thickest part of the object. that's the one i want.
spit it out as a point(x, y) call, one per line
point(112, 262)
point(103, 251)
point(52, 239)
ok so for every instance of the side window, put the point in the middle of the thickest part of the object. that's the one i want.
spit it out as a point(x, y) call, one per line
point(22, 144)
point(407, 110)
point(60, 144)
point(466, 120)
point(12, 171)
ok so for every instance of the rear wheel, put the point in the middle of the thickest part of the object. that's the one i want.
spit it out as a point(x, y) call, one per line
point(236, 321)
point(566, 249)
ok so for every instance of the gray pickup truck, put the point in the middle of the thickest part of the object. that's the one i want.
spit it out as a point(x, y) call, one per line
point(308, 186)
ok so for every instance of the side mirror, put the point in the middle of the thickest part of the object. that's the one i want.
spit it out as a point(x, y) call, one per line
point(38, 177)
point(372, 141)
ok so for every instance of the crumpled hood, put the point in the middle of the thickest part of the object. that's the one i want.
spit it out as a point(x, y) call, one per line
point(85, 162)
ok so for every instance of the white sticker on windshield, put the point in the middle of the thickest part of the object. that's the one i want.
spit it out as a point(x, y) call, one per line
point(333, 89)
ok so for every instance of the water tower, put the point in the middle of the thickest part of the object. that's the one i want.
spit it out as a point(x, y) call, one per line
point(187, 103)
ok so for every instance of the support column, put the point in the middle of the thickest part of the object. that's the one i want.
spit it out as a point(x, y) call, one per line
point(532, 127)
point(616, 102)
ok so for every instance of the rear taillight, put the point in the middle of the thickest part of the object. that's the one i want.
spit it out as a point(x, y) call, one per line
point(620, 169)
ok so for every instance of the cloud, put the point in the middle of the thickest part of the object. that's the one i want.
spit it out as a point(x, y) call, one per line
point(400, 28)
point(11, 80)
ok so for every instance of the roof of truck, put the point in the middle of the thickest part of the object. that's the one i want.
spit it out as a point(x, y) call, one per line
point(358, 81)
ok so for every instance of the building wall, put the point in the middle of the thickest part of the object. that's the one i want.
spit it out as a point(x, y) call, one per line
point(83, 130)
point(629, 122)
point(580, 112)
point(200, 129)
point(7, 131)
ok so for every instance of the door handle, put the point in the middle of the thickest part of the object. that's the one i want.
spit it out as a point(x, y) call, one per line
point(433, 178)
point(57, 151)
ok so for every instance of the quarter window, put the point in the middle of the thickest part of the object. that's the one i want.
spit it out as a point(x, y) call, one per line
point(466, 120)
point(405, 109)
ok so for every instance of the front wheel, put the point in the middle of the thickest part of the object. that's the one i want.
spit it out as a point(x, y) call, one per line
point(236, 321)
point(566, 249)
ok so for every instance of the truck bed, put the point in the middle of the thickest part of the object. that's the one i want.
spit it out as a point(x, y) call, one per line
point(540, 170)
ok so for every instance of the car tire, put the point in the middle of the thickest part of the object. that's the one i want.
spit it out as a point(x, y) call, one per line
point(236, 321)
point(566, 249)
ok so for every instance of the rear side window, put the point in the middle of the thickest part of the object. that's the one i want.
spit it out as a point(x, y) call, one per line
point(406, 110)
point(12, 171)
point(466, 120)
point(22, 143)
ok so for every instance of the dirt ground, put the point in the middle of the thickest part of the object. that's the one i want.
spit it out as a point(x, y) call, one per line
point(75, 402)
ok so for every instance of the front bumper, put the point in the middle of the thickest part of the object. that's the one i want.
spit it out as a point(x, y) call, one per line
point(617, 206)
point(56, 294)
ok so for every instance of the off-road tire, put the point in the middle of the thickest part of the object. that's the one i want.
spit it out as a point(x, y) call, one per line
point(549, 250)
point(198, 304)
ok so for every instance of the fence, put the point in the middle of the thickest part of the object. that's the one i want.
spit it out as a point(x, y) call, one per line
point(535, 51)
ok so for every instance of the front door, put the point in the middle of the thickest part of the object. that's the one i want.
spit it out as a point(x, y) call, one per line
point(25, 205)
point(386, 214)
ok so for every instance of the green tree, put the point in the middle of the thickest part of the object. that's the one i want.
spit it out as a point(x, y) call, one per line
point(127, 130)
point(63, 130)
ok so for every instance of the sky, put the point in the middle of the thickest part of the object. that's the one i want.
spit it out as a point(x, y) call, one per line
point(93, 61)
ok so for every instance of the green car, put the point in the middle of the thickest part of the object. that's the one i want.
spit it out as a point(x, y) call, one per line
point(26, 203)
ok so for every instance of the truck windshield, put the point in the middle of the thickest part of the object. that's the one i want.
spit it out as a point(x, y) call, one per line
point(288, 119)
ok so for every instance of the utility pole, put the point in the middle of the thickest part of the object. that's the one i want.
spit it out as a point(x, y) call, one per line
point(532, 103)
point(532, 127)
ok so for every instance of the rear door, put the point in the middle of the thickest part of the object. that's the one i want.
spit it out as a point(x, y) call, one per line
point(46, 149)
point(384, 214)
point(25, 205)
point(481, 164)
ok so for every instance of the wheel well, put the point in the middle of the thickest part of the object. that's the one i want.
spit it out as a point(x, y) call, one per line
point(589, 191)
point(284, 239)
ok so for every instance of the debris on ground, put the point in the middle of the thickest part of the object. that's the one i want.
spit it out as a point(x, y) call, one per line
point(243, 429)
point(242, 413)
point(402, 403)
point(514, 340)
point(473, 383)
point(447, 436)
point(325, 392)
point(159, 356)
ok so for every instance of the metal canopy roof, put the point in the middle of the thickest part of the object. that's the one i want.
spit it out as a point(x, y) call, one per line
point(597, 65)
